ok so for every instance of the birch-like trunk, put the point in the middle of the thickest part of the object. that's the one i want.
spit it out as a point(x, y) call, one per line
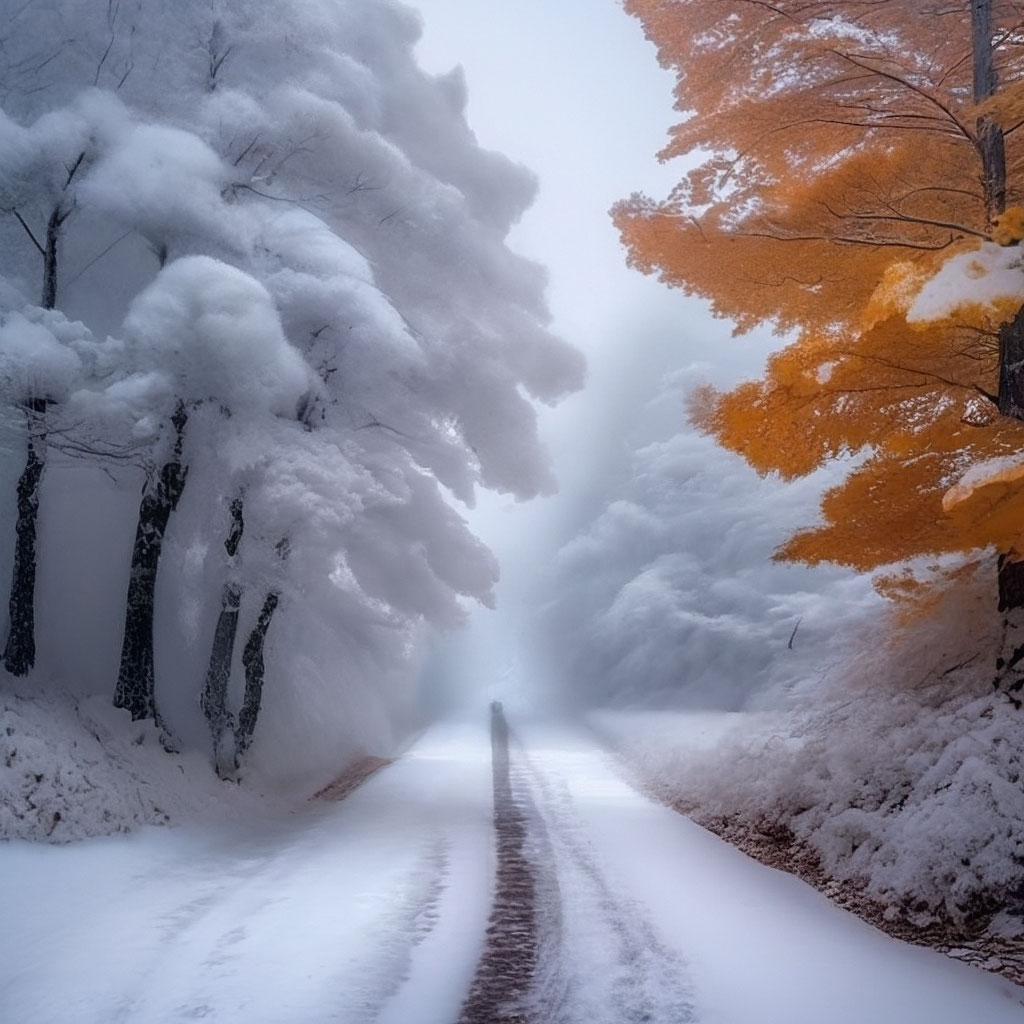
point(20, 649)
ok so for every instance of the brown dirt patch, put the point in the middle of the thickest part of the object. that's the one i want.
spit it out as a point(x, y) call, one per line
point(776, 845)
point(352, 777)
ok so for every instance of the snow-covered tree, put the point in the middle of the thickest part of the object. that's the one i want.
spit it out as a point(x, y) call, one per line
point(667, 596)
point(299, 250)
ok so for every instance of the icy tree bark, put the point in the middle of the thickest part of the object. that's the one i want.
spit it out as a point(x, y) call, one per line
point(252, 660)
point(214, 699)
point(50, 256)
point(135, 689)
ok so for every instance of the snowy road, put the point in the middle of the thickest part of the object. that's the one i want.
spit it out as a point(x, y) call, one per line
point(376, 910)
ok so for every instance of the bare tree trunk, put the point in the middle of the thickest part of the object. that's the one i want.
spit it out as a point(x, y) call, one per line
point(20, 649)
point(214, 699)
point(1009, 675)
point(1010, 397)
point(990, 143)
point(252, 659)
point(135, 689)
point(50, 257)
point(1009, 671)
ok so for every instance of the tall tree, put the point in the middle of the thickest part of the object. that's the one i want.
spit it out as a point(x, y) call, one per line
point(194, 328)
point(844, 161)
point(342, 183)
point(135, 690)
point(38, 190)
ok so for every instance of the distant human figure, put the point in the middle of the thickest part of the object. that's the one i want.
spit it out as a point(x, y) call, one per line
point(496, 708)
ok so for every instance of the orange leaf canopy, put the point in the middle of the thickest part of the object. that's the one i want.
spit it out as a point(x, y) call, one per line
point(836, 175)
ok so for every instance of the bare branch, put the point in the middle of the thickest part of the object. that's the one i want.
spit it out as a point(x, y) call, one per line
point(28, 231)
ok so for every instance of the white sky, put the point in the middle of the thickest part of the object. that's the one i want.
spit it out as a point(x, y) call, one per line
point(573, 90)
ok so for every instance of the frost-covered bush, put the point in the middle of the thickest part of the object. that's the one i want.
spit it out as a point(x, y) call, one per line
point(76, 767)
point(901, 771)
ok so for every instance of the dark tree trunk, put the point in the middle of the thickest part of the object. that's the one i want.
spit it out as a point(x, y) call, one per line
point(1009, 675)
point(1009, 672)
point(1010, 398)
point(1011, 583)
point(20, 650)
point(1011, 367)
point(135, 690)
point(214, 699)
point(252, 660)
point(50, 253)
point(990, 143)
point(993, 160)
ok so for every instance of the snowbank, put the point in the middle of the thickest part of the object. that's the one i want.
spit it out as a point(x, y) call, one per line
point(72, 768)
point(899, 777)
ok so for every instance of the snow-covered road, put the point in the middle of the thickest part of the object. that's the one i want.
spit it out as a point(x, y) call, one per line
point(345, 913)
point(376, 910)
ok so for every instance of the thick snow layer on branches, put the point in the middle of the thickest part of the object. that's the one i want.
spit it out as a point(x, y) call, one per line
point(215, 332)
point(282, 297)
point(39, 353)
point(1004, 469)
point(986, 276)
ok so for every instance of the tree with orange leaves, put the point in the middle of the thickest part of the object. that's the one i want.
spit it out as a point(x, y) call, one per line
point(853, 164)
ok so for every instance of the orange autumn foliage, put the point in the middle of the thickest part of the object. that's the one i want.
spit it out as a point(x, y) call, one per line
point(840, 168)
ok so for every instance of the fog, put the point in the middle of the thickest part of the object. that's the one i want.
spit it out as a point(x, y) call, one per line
point(576, 94)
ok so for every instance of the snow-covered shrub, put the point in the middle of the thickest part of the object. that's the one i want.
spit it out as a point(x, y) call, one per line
point(76, 767)
point(901, 770)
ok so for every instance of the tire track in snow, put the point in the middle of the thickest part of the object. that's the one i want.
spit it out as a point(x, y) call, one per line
point(203, 940)
point(602, 959)
point(506, 969)
point(562, 946)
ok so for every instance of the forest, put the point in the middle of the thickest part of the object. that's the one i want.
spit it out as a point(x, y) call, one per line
point(260, 327)
point(287, 398)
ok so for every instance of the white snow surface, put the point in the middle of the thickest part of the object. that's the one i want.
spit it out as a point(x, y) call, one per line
point(757, 944)
point(73, 768)
point(374, 909)
point(982, 276)
point(1003, 467)
point(338, 912)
